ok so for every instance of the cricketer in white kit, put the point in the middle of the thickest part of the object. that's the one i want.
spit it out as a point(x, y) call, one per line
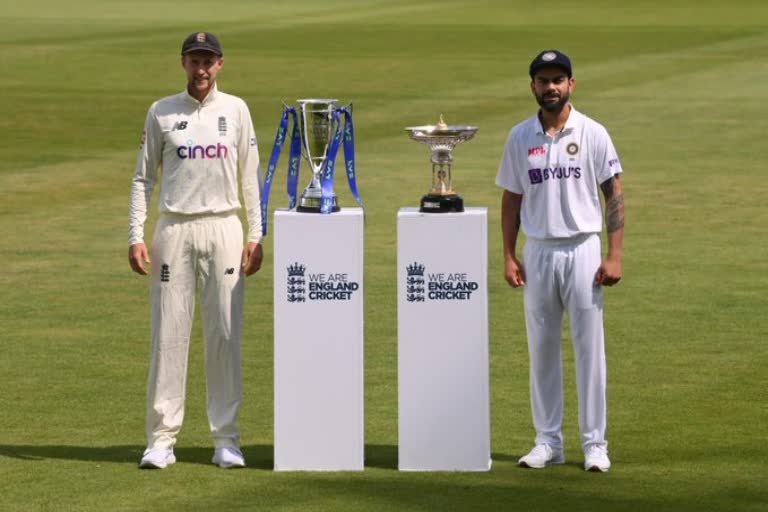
point(552, 169)
point(198, 144)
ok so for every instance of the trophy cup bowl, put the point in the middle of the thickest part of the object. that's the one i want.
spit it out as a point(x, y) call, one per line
point(442, 138)
point(316, 135)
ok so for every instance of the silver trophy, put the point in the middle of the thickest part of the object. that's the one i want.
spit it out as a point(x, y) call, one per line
point(442, 138)
point(316, 135)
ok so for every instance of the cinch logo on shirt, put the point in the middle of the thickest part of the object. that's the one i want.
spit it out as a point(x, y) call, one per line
point(213, 151)
point(555, 173)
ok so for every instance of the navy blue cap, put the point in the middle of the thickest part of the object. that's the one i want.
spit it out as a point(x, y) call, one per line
point(551, 58)
point(204, 41)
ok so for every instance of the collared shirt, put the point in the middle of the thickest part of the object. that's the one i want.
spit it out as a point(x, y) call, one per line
point(202, 148)
point(559, 175)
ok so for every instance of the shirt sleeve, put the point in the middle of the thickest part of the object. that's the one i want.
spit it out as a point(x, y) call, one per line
point(145, 177)
point(606, 159)
point(508, 176)
point(250, 171)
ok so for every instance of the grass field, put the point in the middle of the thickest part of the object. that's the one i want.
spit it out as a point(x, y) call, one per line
point(680, 84)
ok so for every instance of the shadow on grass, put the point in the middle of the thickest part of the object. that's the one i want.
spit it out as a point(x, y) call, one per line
point(257, 456)
point(382, 456)
point(385, 456)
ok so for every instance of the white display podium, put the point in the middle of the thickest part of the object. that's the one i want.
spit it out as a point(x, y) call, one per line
point(443, 380)
point(318, 301)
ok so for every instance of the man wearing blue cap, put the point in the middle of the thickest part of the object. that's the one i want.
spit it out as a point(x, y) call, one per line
point(551, 169)
point(204, 142)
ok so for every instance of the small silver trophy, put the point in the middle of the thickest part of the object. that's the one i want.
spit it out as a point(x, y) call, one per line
point(316, 134)
point(442, 138)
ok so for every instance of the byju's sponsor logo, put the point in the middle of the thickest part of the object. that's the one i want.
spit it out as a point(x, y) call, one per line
point(303, 286)
point(194, 152)
point(553, 173)
point(422, 285)
point(296, 282)
point(414, 283)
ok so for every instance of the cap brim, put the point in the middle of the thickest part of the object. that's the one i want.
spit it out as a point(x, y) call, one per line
point(202, 49)
point(535, 69)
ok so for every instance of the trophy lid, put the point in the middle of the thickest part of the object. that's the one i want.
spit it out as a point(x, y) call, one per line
point(442, 134)
point(317, 100)
point(442, 131)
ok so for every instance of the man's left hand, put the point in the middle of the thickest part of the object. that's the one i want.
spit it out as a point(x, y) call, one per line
point(251, 260)
point(609, 273)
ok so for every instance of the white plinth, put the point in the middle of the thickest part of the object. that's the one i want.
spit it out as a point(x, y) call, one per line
point(319, 422)
point(443, 380)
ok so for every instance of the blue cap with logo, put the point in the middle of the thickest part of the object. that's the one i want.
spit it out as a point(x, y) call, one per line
point(551, 58)
point(204, 41)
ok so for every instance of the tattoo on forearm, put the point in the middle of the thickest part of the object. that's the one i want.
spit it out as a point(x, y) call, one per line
point(614, 205)
point(614, 214)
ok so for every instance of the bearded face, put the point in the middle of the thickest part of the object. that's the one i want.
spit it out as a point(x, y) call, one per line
point(552, 88)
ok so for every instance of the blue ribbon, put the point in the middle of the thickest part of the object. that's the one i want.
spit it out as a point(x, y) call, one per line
point(349, 155)
point(347, 135)
point(293, 164)
point(329, 167)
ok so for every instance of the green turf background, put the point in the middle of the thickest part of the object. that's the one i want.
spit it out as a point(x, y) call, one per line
point(681, 86)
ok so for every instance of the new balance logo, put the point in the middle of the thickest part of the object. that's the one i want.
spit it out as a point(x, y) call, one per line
point(179, 125)
point(229, 271)
point(165, 273)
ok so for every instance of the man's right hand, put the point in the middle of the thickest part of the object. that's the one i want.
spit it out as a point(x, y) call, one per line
point(514, 272)
point(137, 257)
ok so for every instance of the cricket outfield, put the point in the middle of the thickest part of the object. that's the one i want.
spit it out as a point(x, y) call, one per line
point(679, 84)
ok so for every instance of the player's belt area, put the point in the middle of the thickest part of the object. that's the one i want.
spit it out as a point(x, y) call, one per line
point(184, 217)
point(561, 242)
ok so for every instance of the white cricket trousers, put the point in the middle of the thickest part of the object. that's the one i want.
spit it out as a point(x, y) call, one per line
point(560, 277)
point(190, 252)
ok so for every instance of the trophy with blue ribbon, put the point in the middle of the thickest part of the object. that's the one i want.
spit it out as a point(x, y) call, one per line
point(442, 138)
point(317, 134)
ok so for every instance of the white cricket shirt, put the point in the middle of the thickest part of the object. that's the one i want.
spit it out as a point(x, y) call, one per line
point(559, 176)
point(201, 148)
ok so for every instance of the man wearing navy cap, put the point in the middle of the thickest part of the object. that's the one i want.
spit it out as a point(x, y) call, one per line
point(551, 169)
point(204, 142)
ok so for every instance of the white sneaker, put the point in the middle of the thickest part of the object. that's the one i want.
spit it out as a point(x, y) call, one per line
point(228, 458)
point(157, 458)
point(596, 458)
point(542, 456)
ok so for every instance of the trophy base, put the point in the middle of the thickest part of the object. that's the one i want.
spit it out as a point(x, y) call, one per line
point(312, 205)
point(432, 203)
